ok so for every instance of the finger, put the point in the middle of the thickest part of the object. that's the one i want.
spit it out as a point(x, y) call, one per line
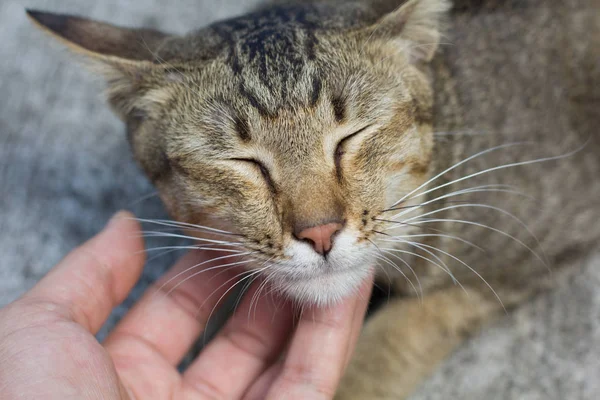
point(357, 325)
point(243, 350)
point(318, 353)
point(261, 387)
point(172, 314)
point(97, 276)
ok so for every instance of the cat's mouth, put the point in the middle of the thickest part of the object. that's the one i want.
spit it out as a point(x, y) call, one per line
point(325, 289)
point(313, 279)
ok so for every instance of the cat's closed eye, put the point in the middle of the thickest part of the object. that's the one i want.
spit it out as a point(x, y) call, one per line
point(263, 170)
point(340, 149)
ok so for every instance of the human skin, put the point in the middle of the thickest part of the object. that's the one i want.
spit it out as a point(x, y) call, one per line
point(48, 349)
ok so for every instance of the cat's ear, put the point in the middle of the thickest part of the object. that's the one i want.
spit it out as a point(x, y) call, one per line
point(126, 58)
point(415, 27)
point(101, 41)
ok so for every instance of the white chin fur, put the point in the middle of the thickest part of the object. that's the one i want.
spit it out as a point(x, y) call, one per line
point(325, 290)
point(309, 278)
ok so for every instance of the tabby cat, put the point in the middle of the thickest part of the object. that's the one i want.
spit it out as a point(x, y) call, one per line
point(447, 148)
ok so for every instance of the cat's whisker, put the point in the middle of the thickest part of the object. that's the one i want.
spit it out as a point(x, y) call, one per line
point(394, 266)
point(171, 249)
point(258, 289)
point(466, 222)
point(177, 224)
point(180, 236)
point(446, 270)
point(456, 165)
point(461, 133)
point(165, 284)
point(240, 296)
point(256, 297)
point(411, 269)
point(440, 265)
point(248, 273)
point(251, 274)
point(482, 188)
point(414, 244)
point(389, 262)
point(389, 278)
point(206, 247)
point(402, 224)
point(497, 168)
point(161, 254)
point(469, 267)
point(453, 237)
point(475, 189)
point(498, 209)
point(143, 198)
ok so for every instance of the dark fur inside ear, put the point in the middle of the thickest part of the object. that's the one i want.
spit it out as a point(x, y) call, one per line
point(101, 40)
point(415, 27)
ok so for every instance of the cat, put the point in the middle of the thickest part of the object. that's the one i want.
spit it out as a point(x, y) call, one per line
point(333, 136)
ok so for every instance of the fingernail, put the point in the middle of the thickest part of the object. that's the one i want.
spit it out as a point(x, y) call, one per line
point(116, 218)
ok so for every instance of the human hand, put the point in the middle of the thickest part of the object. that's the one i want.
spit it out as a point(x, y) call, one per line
point(48, 349)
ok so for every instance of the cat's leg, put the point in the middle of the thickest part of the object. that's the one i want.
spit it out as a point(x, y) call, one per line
point(405, 340)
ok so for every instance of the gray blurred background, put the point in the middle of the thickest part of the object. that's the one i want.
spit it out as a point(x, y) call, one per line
point(65, 168)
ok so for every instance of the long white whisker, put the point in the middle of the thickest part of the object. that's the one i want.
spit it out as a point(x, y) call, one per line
point(435, 235)
point(434, 256)
point(205, 270)
point(389, 262)
point(481, 153)
point(143, 198)
point(251, 274)
point(500, 167)
point(435, 220)
point(498, 209)
point(410, 269)
point(175, 235)
point(471, 269)
point(256, 298)
point(178, 224)
point(258, 290)
point(454, 280)
point(162, 287)
point(204, 248)
point(476, 189)
point(461, 133)
point(171, 249)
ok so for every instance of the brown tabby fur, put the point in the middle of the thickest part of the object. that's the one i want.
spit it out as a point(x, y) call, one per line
point(286, 85)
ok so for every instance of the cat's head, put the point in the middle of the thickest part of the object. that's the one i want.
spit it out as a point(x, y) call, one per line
point(293, 128)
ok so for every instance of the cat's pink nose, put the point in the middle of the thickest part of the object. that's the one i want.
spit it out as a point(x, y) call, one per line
point(320, 237)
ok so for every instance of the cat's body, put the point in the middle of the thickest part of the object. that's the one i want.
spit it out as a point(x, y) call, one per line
point(276, 87)
point(502, 85)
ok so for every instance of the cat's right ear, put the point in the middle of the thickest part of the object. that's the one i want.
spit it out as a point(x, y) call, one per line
point(125, 57)
point(99, 41)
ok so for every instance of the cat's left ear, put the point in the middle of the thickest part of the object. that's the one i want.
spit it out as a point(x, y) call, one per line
point(415, 27)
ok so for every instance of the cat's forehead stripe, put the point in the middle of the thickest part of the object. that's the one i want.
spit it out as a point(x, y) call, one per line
point(339, 108)
point(255, 102)
point(242, 129)
point(317, 87)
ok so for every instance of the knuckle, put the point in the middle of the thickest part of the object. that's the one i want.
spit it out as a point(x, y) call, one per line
point(247, 341)
point(300, 375)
